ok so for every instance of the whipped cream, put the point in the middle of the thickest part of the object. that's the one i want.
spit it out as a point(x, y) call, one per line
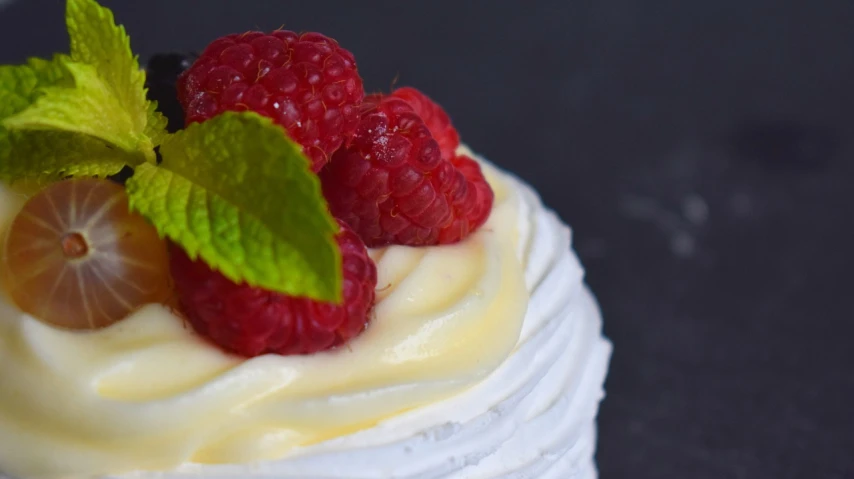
point(451, 385)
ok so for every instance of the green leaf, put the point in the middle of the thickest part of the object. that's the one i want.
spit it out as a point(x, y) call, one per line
point(237, 192)
point(41, 155)
point(45, 156)
point(155, 127)
point(96, 40)
point(83, 114)
point(86, 106)
point(19, 83)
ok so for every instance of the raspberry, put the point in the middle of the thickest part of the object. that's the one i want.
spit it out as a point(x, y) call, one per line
point(305, 83)
point(252, 321)
point(391, 185)
point(434, 117)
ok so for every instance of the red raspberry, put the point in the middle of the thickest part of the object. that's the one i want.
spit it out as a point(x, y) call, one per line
point(390, 184)
point(253, 321)
point(306, 83)
point(462, 225)
point(437, 121)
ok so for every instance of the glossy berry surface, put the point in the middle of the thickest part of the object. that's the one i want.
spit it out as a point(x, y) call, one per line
point(76, 258)
point(434, 116)
point(392, 186)
point(306, 83)
point(252, 321)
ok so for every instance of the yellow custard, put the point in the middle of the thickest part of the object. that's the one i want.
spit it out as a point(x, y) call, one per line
point(147, 393)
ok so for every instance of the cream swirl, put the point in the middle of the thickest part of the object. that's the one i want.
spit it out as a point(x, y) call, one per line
point(534, 416)
point(147, 394)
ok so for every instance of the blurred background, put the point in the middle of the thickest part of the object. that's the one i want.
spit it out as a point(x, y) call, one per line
point(702, 152)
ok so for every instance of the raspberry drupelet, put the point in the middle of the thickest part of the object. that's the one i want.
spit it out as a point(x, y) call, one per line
point(306, 83)
point(252, 321)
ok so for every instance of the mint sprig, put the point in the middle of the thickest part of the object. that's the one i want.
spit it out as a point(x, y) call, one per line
point(96, 91)
point(98, 41)
point(240, 194)
point(83, 103)
point(234, 191)
point(43, 156)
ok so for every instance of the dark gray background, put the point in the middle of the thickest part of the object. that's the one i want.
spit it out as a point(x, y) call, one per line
point(702, 153)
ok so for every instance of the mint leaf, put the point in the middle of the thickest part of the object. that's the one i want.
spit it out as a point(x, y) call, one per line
point(83, 103)
point(45, 156)
point(155, 127)
point(53, 155)
point(19, 83)
point(83, 114)
point(96, 40)
point(237, 192)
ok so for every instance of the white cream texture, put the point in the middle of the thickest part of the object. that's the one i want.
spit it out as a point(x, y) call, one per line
point(449, 381)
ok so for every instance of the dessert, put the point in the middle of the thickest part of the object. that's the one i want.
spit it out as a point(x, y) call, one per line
point(352, 292)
